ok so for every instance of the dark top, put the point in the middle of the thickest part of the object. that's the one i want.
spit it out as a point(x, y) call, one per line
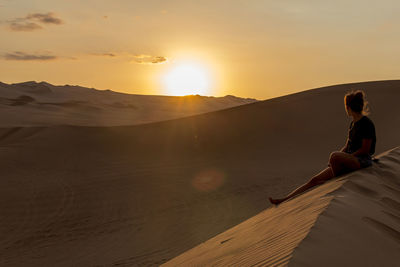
point(362, 129)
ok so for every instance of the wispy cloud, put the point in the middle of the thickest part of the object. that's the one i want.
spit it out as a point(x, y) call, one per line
point(135, 58)
point(46, 18)
point(104, 54)
point(148, 59)
point(22, 56)
point(24, 26)
point(32, 22)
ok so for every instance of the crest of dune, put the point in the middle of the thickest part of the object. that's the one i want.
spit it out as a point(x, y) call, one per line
point(353, 220)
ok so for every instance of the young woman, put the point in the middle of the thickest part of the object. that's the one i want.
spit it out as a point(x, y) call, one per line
point(356, 154)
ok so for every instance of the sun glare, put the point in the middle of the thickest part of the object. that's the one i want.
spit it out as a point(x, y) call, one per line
point(187, 79)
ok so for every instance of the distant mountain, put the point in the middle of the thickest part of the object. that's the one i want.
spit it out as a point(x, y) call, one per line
point(41, 104)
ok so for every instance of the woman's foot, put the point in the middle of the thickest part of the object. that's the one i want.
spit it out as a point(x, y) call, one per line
point(275, 201)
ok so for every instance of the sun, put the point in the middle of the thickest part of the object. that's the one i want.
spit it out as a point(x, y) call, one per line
point(187, 79)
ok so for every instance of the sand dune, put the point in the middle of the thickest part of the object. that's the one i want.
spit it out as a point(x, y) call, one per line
point(144, 194)
point(350, 221)
point(44, 104)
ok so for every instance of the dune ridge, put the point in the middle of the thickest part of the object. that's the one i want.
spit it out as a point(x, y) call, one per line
point(350, 221)
point(43, 104)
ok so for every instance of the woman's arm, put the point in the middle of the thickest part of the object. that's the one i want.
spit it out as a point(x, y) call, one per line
point(365, 147)
point(344, 149)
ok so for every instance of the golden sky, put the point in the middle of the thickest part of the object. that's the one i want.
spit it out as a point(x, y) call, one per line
point(249, 48)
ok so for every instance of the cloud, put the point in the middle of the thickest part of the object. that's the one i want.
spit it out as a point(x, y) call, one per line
point(47, 18)
point(135, 58)
point(22, 56)
point(24, 26)
point(30, 22)
point(104, 54)
point(147, 59)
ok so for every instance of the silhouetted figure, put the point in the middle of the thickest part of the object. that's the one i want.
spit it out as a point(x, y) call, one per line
point(356, 154)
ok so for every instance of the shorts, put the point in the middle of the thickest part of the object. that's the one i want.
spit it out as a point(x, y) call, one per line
point(365, 161)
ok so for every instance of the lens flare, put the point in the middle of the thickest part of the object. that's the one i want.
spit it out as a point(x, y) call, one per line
point(208, 180)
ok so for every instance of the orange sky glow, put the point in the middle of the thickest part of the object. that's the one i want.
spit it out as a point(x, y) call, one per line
point(258, 49)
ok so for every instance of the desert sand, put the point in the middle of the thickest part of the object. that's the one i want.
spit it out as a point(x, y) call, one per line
point(142, 195)
point(43, 104)
point(349, 221)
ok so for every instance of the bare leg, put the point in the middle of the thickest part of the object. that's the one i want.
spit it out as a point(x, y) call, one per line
point(339, 163)
point(318, 179)
point(343, 163)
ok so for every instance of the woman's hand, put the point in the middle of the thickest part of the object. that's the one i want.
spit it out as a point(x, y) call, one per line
point(344, 149)
point(365, 147)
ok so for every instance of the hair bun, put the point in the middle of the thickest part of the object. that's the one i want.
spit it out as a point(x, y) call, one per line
point(356, 101)
point(359, 94)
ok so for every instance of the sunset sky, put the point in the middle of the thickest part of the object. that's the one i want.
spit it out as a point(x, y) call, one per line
point(247, 48)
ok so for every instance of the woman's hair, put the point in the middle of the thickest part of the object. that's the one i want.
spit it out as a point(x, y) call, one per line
point(357, 101)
